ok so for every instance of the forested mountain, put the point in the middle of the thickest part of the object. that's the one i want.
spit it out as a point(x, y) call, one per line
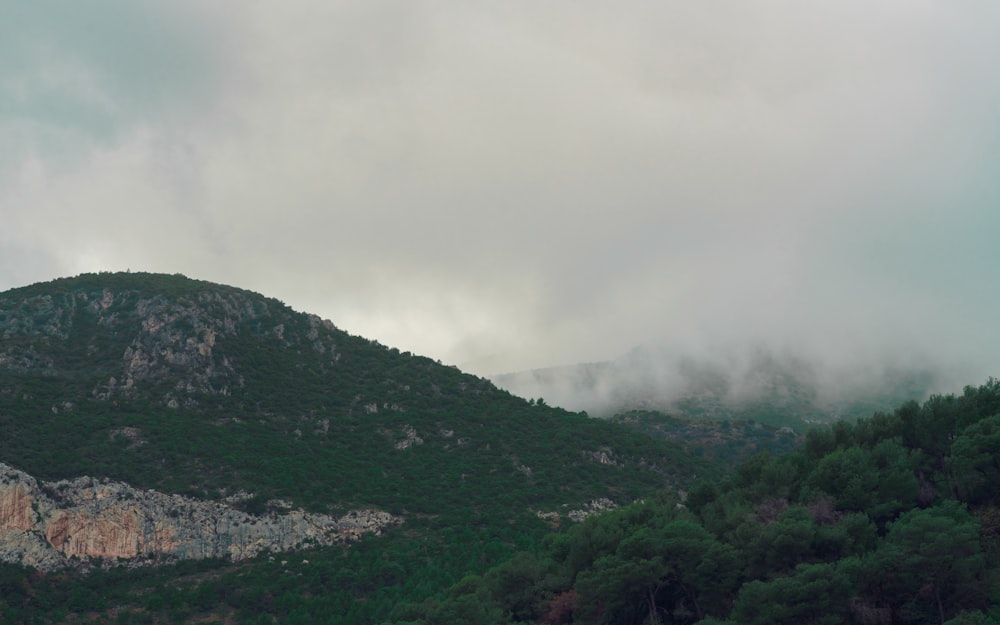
point(892, 519)
point(130, 386)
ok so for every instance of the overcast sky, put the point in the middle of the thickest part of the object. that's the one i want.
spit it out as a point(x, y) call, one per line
point(517, 184)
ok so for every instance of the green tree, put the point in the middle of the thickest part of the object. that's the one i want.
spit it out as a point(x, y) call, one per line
point(974, 463)
point(816, 593)
point(658, 570)
point(935, 554)
point(852, 534)
point(880, 481)
point(849, 476)
point(775, 546)
point(523, 586)
point(898, 488)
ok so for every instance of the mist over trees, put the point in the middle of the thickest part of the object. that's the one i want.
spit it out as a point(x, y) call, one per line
point(739, 382)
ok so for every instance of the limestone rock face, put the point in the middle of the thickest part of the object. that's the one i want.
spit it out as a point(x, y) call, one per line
point(15, 507)
point(51, 525)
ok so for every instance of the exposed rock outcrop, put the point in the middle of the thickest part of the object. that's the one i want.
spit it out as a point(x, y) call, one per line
point(149, 340)
point(602, 504)
point(50, 525)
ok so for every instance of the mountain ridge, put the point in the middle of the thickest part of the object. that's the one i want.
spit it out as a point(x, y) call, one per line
point(204, 391)
point(754, 383)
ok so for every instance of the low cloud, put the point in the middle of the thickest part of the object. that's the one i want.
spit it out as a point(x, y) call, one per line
point(528, 185)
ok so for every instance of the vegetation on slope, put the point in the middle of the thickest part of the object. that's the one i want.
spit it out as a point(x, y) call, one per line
point(892, 519)
point(347, 422)
point(727, 442)
point(195, 388)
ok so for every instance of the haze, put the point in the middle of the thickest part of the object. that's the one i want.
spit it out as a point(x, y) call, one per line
point(514, 185)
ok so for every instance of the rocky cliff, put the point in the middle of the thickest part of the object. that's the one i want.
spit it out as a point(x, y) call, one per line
point(84, 521)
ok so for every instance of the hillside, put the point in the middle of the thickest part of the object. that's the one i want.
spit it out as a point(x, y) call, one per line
point(207, 393)
point(892, 519)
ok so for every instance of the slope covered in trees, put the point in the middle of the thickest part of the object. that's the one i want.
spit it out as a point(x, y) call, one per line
point(892, 519)
point(205, 390)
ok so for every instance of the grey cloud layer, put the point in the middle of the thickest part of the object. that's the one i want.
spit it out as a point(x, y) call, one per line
point(522, 184)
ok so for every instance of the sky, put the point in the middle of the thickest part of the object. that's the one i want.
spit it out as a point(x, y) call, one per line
point(521, 184)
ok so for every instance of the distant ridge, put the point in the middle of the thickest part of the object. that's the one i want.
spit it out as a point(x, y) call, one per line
point(755, 384)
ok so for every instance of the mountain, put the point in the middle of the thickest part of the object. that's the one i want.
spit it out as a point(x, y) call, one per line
point(755, 384)
point(139, 406)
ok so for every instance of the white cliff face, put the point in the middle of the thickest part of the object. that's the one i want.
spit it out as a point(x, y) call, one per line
point(50, 525)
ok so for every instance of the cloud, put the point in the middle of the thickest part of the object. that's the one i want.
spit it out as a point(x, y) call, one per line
point(525, 184)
